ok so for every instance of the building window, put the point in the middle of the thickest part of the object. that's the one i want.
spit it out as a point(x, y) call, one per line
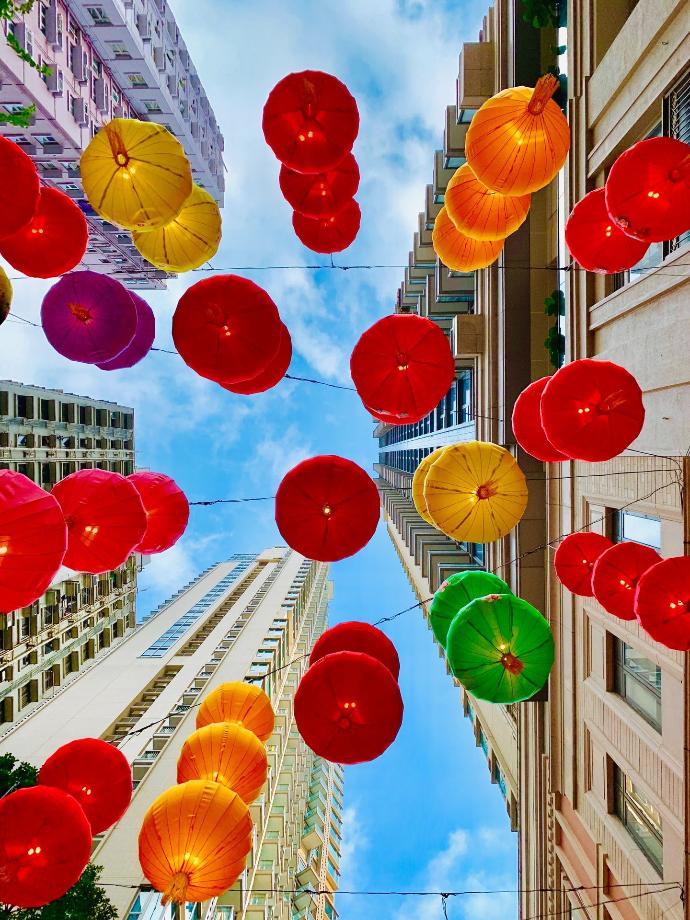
point(640, 817)
point(136, 79)
point(638, 528)
point(677, 125)
point(98, 15)
point(120, 50)
point(152, 105)
point(638, 681)
point(25, 695)
point(500, 780)
point(483, 743)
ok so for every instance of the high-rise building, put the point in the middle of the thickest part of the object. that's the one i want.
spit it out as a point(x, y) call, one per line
point(253, 618)
point(113, 59)
point(46, 435)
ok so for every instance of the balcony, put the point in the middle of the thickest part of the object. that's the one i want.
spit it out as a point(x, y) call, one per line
point(468, 336)
point(475, 74)
point(454, 135)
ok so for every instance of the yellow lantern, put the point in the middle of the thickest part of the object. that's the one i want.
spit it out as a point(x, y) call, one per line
point(226, 753)
point(475, 492)
point(418, 484)
point(5, 295)
point(136, 174)
point(188, 241)
point(459, 252)
point(480, 213)
point(236, 701)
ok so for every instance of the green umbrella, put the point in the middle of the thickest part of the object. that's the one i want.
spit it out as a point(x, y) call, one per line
point(456, 592)
point(500, 648)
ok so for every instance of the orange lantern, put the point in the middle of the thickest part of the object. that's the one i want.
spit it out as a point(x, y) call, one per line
point(459, 252)
point(480, 213)
point(226, 753)
point(236, 701)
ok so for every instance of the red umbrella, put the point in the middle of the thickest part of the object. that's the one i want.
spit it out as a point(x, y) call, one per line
point(402, 366)
point(575, 559)
point(596, 242)
point(321, 194)
point(348, 708)
point(33, 540)
point(53, 242)
point(329, 234)
point(45, 844)
point(272, 374)
point(527, 426)
point(327, 508)
point(662, 602)
point(355, 636)
point(310, 121)
point(94, 773)
point(592, 410)
point(19, 188)
point(105, 519)
point(227, 328)
point(616, 573)
point(167, 511)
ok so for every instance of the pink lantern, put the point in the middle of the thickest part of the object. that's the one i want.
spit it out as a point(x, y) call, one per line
point(141, 344)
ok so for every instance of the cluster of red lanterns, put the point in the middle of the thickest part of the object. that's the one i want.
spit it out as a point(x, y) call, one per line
point(311, 121)
point(646, 200)
point(588, 410)
point(348, 706)
point(46, 830)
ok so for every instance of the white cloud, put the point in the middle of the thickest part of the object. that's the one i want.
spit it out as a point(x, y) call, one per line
point(278, 453)
point(354, 847)
point(168, 571)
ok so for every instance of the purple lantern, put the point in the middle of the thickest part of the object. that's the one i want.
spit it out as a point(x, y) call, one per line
point(141, 344)
point(88, 317)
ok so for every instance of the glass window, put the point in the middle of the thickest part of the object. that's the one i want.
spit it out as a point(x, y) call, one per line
point(635, 527)
point(484, 744)
point(638, 681)
point(640, 817)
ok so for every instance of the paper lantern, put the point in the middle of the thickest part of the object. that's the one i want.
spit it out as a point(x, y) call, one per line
point(189, 240)
point(167, 511)
point(45, 844)
point(500, 648)
point(475, 492)
point(355, 636)
point(321, 194)
point(96, 774)
point(575, 559)
point(616, 574)
point(225, 753)
point(527, 426)
point(194, 841)
point(5, 294)
point(310, 121)
point(519, 139)
point(33, 540)
point(592, 410)
point(135, 174)
point(19, 188)
point(235, 701)
point(595, 242)
point(53, 242)
point(227, 328)
point(662, 602)
point(142, 341)
point(329, 234)
point(348, 708)
point(89, 317)
point(272, 374)
point(402, 366)
point(457, 592)
point(388, 418)
point(418, 481)
point(458, 252)
point(648, 190)
point(479, 212)
point(327, 508)
point(105, 519)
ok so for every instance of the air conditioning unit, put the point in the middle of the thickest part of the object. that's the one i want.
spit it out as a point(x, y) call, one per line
point(55, 82)
point(81, 112)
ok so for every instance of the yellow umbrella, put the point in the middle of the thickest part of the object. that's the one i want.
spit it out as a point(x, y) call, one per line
point(475, 492)
point(418, 484)
point(5, 295)
point(458, 252)
point(136, 174)
point(188, 241)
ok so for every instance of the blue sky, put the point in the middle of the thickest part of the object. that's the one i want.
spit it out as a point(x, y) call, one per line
point(425, 814)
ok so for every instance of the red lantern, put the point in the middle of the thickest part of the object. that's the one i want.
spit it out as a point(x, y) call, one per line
point(33, 540)
point(226, 328)
point(53, 242)
point(595, 242)
point(310, 121)
point(402, 366)
point(45, 844)
point(648, 190)
point(355, 636)
point(348, 708)
point(390, 419)
point(94, 773)
point(329, 234)
point(527, 426)
point(19, 188)
point(105, 519)
point(592, 410)
point(167, 511)
point(616, 574)
point(327, 508)
point(321, 194)
point(662, 602)
point(575, 559)
point(272, 374)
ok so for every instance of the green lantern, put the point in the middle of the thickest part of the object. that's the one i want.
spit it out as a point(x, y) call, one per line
point(455, 593)
point(500, 648)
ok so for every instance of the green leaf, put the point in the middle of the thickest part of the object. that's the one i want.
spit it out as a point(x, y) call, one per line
point(20, 119)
